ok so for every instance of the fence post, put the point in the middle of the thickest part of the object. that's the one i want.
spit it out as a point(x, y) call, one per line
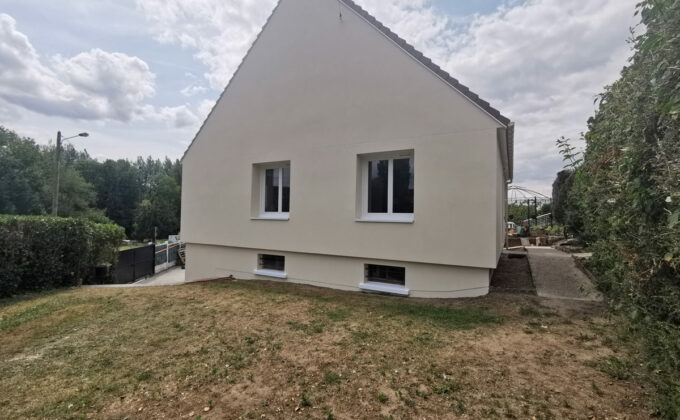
point(167, 252)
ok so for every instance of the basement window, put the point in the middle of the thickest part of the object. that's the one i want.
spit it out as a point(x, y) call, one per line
point(271, 266)
point(384, 279)
point(385, 274)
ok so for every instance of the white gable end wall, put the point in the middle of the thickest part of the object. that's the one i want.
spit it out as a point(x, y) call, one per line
point(319, 91)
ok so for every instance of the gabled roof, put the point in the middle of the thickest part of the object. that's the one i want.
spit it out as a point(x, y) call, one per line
point(418, 56)
point(409, 49)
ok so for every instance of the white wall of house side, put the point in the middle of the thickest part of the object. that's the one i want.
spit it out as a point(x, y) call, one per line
point(344, 273)
point(318, 91)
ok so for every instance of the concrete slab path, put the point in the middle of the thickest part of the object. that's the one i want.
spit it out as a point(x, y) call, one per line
point(556, 275)
point(171, 277)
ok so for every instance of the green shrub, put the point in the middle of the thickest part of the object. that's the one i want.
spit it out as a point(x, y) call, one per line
point(40, 252)
point(625, 198)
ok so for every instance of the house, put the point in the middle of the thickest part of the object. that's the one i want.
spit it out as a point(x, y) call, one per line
point(339, 156)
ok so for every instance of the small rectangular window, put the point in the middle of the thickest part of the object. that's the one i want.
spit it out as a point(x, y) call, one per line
point(272, 262)
point(385, 274)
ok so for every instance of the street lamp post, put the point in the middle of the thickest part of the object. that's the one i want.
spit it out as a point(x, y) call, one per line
point(55, 197)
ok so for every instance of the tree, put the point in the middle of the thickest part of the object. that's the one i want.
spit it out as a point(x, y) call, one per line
point(21, 176)
point(117, 187)
point(517, 213)
point(76, 196)
point(161, 209)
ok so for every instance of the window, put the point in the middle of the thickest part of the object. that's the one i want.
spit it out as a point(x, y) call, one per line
point(272, 262)
point(271, 266)
point(275, 191)
point(385, 274)
point(388, 187)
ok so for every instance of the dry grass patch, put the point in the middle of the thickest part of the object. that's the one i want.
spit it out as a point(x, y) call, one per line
point(274, 350)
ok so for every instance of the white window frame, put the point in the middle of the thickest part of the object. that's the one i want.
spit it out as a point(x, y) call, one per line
point(388, 217)
point(273, 215)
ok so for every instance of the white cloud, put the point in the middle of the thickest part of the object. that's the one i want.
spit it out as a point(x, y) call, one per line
point(173, 116)
point(543, 63)
point(178, 116)
point(115, 83)
point(193, 90)
point(220, 32)
point(204, 108)
point(92, 85)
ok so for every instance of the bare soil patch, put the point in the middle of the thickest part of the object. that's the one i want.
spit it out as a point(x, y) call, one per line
point(272, 350)
point(513, 274)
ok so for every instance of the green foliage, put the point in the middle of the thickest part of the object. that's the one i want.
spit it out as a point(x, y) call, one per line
point(76, 196)
point(518, 212)
point(118, 188)
point(570, 155)
point(446, 387)
point(625, 196)
point(39, 252)
point(162, 209)
point(22, 175)
point(112, 190)
point(615, 367)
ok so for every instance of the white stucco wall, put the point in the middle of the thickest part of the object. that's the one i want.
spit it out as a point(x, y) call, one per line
point(344, 273)
point(318, 91)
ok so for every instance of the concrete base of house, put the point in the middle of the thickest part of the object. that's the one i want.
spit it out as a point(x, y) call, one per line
point(345, 273)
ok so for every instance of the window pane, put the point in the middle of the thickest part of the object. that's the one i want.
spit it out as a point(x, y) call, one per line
point(377, 186)
point(402, 198)
point(286, 190)
point(386, 274)
point(272, 262)
point(271, 190)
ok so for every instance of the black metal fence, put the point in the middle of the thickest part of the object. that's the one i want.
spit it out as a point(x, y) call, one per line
point(134, 263)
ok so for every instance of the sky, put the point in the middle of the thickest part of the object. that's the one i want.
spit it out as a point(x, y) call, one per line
point(141, 75)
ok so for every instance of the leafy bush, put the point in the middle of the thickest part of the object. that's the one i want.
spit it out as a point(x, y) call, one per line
point(39, 252)
point(625, 196)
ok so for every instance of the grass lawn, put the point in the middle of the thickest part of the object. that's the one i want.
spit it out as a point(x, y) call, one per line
point(273, 350)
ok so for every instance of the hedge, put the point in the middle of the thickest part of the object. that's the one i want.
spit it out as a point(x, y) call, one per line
point(40, 252)
point(624, 201)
